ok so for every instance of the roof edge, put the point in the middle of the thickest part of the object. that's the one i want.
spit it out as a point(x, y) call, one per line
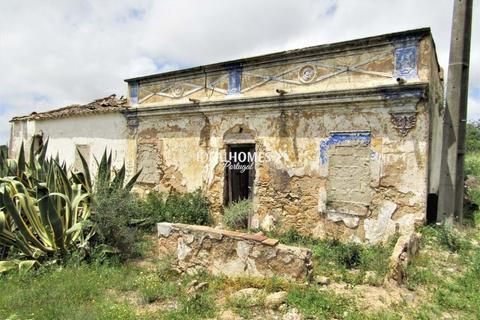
point(282, 55)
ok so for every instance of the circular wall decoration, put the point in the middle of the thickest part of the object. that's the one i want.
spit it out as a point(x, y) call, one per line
point(177, 91)
point(307, 73)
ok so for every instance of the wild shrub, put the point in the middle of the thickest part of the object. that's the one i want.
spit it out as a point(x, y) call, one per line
point(472, 164)
point(238, 214)
point(451, 239)
point(150, 287)
point(293, 237)
point(189, 208)
point(112, 213)
point(473, 137)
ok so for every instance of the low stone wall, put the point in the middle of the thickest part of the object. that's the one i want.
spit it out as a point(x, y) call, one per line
point(223, 252)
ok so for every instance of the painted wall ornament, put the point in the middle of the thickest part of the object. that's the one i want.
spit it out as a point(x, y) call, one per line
point(403, 122)
point(134, 93)
point(406, 62)
point(234, 81)
point(177, 91)
point(335, 138)
point(307, 73)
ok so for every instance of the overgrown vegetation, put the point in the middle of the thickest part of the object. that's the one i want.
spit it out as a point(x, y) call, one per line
point(45, 210)
point(189, 208)
point(349, 262)
point(238, 214)
point(112, 216)
point(444, 281)
point(448, 267)
point(472, 174)
point(43, 213)
point(323, 305)
point(473, 137)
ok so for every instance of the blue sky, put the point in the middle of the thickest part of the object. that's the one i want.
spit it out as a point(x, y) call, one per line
point(55, 53)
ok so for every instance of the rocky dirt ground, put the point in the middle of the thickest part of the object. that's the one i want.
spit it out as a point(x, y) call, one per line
point(442, 282)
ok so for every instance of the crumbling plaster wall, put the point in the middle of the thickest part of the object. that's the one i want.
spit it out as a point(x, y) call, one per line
point(352, 169)
point(98, 131)
point(291, 187)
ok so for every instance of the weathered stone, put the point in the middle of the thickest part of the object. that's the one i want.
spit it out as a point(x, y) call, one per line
point(215, 235)
point(233, 254)
point(319, 231)
point(292, 314)
point(405, 249)
point(250, 296)
point(322, 280)
point(274, 300)
point(188, 238)
point(270, 242)
point(164, 229)
point(182, 249)
point(229, 315)
point(268, 223)
point(243, 249)
point(349, 220)
point(379, 229)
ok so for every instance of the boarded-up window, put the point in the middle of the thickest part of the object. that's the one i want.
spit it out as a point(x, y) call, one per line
point(349, 177)
point(84, 149)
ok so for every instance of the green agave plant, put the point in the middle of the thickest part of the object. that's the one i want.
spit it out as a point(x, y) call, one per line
point(44, 211)
point(106, 178)
point(43, 224)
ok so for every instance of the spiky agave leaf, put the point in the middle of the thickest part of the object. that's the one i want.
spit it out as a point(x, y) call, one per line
point(21, 164)
point(87, 181)
point(132, 181)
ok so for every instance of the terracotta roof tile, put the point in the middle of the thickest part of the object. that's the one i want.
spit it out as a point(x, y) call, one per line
point(103, 105)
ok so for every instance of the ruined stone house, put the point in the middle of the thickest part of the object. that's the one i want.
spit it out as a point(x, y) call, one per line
point(337, 140)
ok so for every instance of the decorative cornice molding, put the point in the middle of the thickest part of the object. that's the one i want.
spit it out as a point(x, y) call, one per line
point(388, 96)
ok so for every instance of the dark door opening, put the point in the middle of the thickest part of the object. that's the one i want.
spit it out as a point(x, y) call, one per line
point(432, 205)
point(239, 172)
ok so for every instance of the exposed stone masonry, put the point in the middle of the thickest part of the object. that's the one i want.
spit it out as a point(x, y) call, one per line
point(222, 252)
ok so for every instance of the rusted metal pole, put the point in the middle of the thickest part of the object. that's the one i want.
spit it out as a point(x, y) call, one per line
point(450, 205)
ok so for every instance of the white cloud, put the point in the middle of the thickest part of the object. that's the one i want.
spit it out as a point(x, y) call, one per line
point(54, 53)
point(474, 109)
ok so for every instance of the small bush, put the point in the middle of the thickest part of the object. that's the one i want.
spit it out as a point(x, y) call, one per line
point(150, 287)
point(472, 165)
point(189, 208)
point(112, 213)
point(473, 136)
point(451, 239)
point(238, 214)
point(292, 236)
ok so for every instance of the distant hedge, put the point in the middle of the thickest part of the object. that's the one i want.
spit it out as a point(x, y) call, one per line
point(473, 136)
